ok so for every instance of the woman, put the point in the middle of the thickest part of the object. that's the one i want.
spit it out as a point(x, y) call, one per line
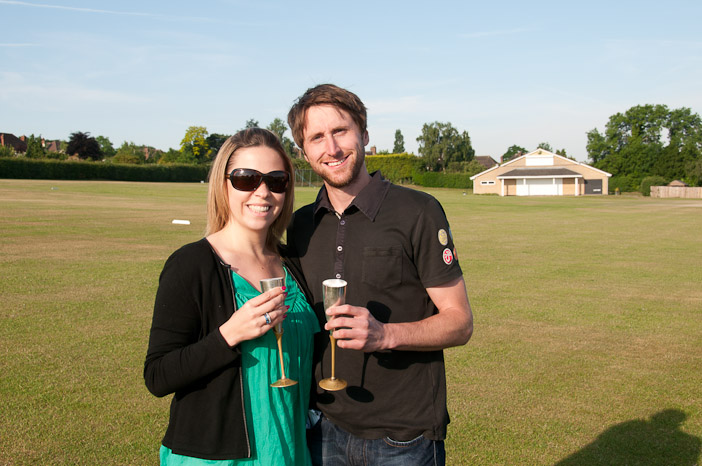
point(210, 341)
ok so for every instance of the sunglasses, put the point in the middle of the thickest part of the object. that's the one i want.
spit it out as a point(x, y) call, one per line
point(248, 179)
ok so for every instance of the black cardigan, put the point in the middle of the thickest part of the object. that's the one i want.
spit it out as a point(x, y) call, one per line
point(188, 356)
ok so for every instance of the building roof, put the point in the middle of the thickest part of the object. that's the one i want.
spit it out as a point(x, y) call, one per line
point(53, 146)
point(486, 161)
point(9, 139)
point(677, 183)
point(538, 152)
point(540, 172)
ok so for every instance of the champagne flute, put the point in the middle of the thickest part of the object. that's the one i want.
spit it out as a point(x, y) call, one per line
point(334, 295)
point(269, 284)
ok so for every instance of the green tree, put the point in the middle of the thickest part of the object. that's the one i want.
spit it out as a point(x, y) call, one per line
point(106, 146)
point(214, 142)
point(469, 168)
point(512, 152)
point(597, 147)
point(151, 154)
point(279, 127)
point(441, 143)
point(648, 140)
point(649, 181)
point(7, 151)
point(251, 123)
point(176, 156)
point(684, 145)
point(129, 153)
point(194, 146)
point(563, 153)
point(399, 146)
point(34, 148)
point(276, 126)
point(545, 146)
point(694, 173)
point(84, 146)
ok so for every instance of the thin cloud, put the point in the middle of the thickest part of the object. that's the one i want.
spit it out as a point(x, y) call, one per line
point(109, 12)
point(71, 8)
point(501, 32)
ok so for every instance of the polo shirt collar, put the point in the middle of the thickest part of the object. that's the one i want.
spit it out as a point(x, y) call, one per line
point(367, 201)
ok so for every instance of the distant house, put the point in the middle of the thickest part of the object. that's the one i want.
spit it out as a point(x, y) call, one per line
point(19, 144)
point(51, 146)
point(486, 161)
point(541, 173)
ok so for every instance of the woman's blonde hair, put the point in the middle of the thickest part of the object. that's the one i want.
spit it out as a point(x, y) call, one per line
point(218, 210)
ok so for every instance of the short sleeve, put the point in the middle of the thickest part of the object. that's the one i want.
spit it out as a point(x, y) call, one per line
point(434, 249)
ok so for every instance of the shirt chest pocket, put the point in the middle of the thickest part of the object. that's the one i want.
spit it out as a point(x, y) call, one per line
point(382, 266)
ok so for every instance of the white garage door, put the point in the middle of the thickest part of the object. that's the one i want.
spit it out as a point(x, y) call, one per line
point(540, 187)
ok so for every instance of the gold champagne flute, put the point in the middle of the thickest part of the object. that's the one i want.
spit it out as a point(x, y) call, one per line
point(269, 284)
point(334, 295)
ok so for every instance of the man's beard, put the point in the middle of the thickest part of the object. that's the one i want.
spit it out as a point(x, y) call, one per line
point(347, 180)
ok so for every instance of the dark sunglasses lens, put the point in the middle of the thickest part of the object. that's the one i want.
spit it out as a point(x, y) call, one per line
point(276, 181)
point(245, 180)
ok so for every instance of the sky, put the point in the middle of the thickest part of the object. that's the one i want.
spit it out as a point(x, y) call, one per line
point(507, 72)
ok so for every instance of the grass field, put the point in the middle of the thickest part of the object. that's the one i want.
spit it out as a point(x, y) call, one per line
point(588, 325)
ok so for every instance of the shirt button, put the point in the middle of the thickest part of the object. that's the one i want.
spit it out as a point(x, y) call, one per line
point(338, 275)
point(343, 222)
point(339, 248)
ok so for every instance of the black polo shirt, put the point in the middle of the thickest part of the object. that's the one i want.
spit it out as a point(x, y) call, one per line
point(390, 244)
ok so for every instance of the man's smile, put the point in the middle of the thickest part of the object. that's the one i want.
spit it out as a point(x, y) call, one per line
point(336, 163)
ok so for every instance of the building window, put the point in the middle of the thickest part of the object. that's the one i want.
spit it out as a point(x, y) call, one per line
point(487, 183)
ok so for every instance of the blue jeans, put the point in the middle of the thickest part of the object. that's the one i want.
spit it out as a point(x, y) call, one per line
point(332, 446)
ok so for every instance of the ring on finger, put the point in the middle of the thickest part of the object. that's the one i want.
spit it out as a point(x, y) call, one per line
point(268, 318)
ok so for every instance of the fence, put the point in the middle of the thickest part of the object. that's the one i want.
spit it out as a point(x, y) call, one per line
point(676, 191)
point(307, 178)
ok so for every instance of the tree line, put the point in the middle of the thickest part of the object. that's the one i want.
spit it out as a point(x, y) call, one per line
point(644, 141)
point(649, 140)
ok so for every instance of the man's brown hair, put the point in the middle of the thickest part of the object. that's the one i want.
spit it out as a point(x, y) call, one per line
point(325, 94)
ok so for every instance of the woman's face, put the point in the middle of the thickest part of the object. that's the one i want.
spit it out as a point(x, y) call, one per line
point(255, 210)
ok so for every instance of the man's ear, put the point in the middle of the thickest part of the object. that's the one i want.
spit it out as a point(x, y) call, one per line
point(365, 138)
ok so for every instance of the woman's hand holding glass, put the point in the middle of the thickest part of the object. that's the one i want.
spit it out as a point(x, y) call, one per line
point(255, 318)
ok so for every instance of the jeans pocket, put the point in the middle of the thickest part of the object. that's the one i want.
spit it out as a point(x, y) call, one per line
point(407, 444)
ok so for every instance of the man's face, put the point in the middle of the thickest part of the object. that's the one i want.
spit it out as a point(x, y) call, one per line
point(334, 145)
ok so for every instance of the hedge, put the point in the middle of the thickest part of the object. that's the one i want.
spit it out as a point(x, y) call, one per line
point(443, 180)
point(398, 168)
point(625, 183)
point(649, 181)
point(69, 170)
point(407, 168)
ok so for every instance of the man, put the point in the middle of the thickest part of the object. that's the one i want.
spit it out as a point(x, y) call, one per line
point(406, 298)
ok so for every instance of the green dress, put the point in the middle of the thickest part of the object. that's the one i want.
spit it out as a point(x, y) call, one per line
point(275, 417)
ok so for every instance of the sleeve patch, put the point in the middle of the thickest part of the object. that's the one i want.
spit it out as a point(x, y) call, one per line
point(443, 237)
point(448, 256)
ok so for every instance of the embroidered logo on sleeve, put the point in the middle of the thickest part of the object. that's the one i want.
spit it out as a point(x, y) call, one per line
point(443, 237)
point(448, 256)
